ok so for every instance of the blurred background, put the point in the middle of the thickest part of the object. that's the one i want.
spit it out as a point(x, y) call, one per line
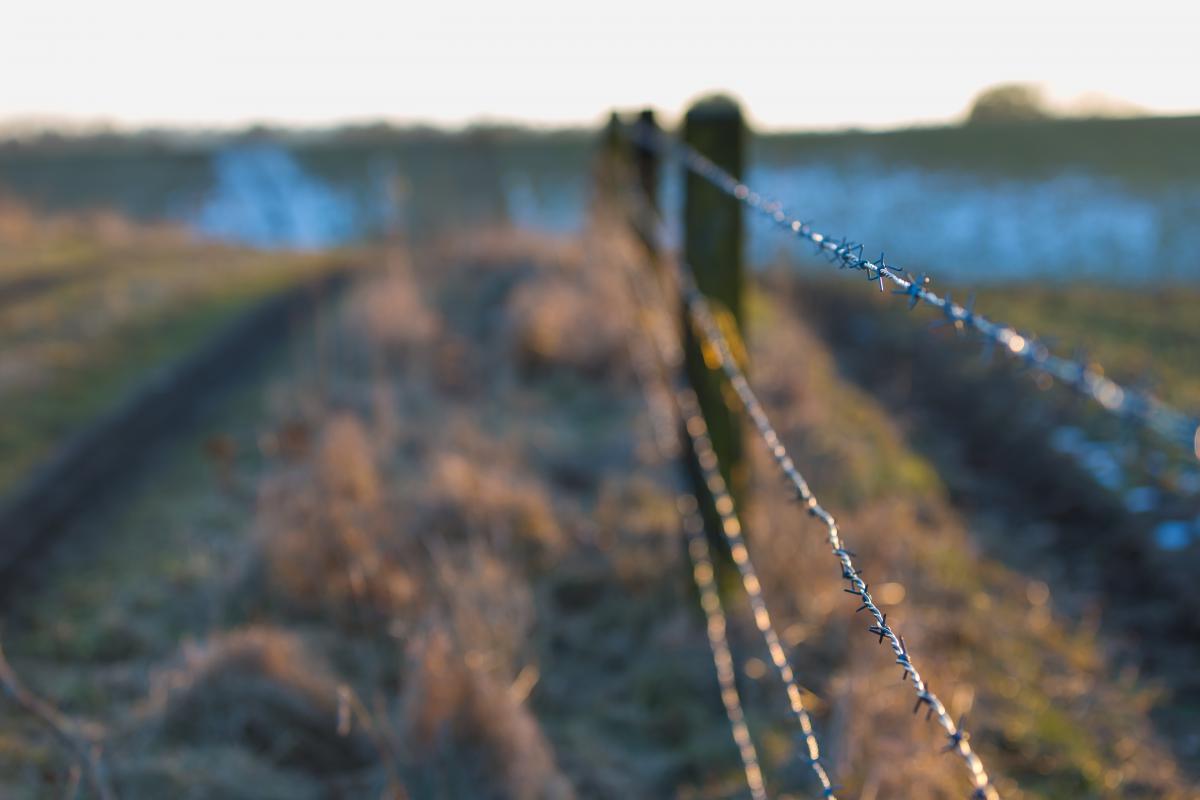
point(325, 465)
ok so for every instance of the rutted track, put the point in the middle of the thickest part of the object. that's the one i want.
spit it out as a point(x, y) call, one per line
point(37, 510)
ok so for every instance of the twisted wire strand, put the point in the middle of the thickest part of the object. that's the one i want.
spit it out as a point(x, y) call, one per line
point(731, 528)
point(706, 327)
point(710, 600)
point(700, 317)
point(663, 418)
point(687, 408)
point(1085, 378)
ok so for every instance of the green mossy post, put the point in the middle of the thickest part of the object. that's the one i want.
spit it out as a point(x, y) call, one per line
point(713, 247)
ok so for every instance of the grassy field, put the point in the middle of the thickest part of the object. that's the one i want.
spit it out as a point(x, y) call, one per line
point(452, 562)
point(1148, 152)
point(1141, 337)
point(89, 310)
point(437, 554)
point(451, 178)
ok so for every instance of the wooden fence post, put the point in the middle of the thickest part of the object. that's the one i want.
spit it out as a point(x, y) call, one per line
point(646, 156)
point(713, 247)
point(606, 165)
point(646, 167)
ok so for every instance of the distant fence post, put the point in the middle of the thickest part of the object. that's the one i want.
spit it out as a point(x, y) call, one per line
point(607, 161)
point(646, 156)
point(713, 247)
point(646, 167)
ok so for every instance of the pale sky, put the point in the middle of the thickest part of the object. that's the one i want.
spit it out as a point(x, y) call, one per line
point(794, 64)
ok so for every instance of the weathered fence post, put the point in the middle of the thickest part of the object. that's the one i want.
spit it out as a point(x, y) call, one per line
point(607, 162)
point(646, 155)
point(713, 247)
point(646, 165)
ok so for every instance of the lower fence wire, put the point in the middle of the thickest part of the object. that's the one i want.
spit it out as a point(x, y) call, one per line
point(706, 327)
point(687, 409)
point(710, 600)
point(700, 318)
point(663, 419)
point(703, 322)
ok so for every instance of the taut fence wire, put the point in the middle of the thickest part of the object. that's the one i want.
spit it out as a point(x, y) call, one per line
point(1084, 377)
point(647, 357)
point(699, 316)
point(684, 410)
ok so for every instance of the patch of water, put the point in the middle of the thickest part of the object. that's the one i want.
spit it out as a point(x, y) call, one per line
point(262, 197)
point(956, 225)
point(966, 227)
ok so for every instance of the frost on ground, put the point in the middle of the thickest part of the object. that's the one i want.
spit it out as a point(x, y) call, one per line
point(447, 564)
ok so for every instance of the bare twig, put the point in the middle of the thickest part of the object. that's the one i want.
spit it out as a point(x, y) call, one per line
point(85, 752)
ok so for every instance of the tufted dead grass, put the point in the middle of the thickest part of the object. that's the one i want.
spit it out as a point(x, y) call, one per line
point(263, 689)
point(467, 582)
point(324, 541)
point(467, 498)
point(460, 714)
point(396, 316)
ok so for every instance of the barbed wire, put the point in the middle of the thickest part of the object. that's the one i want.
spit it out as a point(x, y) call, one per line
point(700, 317)
point(648, 372)
point(706, 326)
point(731, 528)
point(1086, 378)
point(704, 575)
point(687, 410)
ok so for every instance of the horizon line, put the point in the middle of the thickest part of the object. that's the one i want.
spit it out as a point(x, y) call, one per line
point(18, 126)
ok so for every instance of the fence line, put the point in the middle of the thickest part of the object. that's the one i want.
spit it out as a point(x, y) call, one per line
point(699, 316)
point(731, 528)
point(649, 371)
point(1088, 380)
point(706, 327)
point(704, 576)
point(686, 409)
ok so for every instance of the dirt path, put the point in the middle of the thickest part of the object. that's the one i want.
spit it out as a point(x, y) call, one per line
point(85, 466)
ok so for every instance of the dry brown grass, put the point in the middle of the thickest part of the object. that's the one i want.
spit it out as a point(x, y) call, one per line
point(466, 499)
point(261, 688)
point(491, 563)
point(563, 323)
point(1046, 714)
point(437, 563)
point(396, 316)
point(462, 715)
point(16, 221)
point(22, 226)
point(326, 542)
point(505, 248)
